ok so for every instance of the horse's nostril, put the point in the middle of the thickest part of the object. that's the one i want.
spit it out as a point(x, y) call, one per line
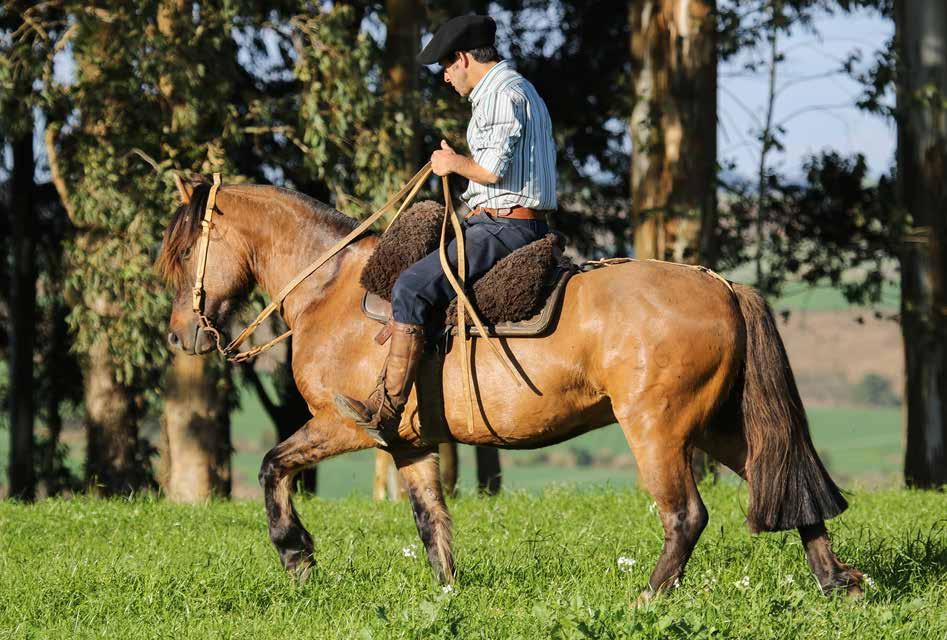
point(173, 340)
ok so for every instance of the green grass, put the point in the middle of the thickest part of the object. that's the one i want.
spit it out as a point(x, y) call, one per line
point(801, 296)
point(530, 566)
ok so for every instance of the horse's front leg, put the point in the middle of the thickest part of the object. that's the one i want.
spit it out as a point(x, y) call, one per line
point(422, 477)
point(317, 440)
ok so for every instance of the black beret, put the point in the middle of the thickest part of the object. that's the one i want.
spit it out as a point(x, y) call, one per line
point(459, 34)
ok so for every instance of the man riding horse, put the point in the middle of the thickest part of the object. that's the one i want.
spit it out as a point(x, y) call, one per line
point(512, 174)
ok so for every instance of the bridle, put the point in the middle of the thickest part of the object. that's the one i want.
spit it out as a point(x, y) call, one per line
point(197, 291)
point(408, 192)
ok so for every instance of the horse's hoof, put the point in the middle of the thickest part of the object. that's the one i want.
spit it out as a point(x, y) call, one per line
point(855, 592)
point(298, 565)
point(644, 598)
point(300, 574)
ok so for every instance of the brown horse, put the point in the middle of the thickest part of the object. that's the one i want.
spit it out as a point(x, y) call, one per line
point(671, 353)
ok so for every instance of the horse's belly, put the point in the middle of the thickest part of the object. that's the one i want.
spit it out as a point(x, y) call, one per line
point(553, 401)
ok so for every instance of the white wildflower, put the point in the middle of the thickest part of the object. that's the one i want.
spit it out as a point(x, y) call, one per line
point(625, 563)
point(869, 581)
point(677, 583)
point(790, 579)
point(743, 583)
point(410, 551)
point(447, 588)
point(652, 507)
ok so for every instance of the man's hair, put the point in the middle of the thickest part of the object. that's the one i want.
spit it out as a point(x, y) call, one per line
point(485, 54)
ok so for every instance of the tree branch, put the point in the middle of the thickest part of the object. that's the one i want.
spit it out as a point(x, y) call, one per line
point(52, 157)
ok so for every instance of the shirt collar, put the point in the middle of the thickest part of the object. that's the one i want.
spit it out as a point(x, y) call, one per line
point(486, 83)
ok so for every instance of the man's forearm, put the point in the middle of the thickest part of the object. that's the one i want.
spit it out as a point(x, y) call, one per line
point(466, 167)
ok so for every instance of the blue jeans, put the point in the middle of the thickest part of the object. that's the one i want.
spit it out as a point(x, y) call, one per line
point(423, 285)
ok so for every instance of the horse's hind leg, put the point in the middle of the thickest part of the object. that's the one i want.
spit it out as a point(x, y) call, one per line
point(422, 477)
point(315, 441)
point(664, 467)
point(829, 571)
point(729, 447)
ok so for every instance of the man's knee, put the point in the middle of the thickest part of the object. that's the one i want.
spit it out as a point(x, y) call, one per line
point(406, 287)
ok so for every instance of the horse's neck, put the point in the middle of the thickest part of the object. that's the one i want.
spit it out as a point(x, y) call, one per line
point(287, 238)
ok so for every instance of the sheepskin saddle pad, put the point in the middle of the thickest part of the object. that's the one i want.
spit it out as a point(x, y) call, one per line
point(519, 296)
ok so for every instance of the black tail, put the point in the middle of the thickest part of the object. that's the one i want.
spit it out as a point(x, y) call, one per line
point(789, 486)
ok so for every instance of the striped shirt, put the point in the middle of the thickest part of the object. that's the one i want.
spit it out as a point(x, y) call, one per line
point(510, 135)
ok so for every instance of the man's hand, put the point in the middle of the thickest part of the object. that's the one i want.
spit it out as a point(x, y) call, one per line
point(444, 160)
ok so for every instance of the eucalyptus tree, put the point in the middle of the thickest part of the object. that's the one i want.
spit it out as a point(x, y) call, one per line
point(921, 37)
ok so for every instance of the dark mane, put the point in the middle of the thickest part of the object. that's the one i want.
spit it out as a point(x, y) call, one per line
point(185, 227)
point(181, 234)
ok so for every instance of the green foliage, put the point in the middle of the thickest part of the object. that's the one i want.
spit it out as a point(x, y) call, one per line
point(543, 566)
point(875, 390)
point(351, 139)
point(832, 228)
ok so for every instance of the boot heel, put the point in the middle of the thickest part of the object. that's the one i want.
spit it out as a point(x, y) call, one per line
point(345, 406)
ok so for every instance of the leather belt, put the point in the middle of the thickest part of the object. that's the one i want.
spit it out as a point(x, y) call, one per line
point(515, 213)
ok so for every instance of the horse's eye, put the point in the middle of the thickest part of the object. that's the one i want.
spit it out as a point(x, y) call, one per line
point(186, 254)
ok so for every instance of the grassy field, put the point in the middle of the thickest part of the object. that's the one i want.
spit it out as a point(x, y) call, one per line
point(530, 566)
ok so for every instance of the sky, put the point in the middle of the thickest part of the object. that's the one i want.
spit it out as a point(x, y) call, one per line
point(742, 99)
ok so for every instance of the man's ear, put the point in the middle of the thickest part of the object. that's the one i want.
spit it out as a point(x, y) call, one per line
point(185, 190)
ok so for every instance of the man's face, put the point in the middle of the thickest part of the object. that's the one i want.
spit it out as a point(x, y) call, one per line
point(456, 72)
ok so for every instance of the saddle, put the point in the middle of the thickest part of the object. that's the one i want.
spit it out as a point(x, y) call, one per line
point(519, 297)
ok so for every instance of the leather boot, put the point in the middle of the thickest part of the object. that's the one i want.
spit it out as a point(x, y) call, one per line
point(380, 414)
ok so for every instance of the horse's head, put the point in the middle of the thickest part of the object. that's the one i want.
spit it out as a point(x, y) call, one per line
point(226, 277)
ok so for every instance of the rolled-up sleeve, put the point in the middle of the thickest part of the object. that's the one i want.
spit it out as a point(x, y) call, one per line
point(500, 129)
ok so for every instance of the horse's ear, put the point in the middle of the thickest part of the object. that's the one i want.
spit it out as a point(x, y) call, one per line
point(184, 189)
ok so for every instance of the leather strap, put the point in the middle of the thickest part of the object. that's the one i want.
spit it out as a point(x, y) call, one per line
point(408, 191)
point(197, 293)
point(513, 213)
point(463, 303)
point(382, 336)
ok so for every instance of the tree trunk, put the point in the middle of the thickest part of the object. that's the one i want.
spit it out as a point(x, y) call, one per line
point(674, 135)
point(23, 312)
point(922, 173)
point(387, 482)
point(449, 467)
point(196, 415)
point(114, 464)
point(488, 471)
point(402, 81)
point(673, 129)
point(196, 426)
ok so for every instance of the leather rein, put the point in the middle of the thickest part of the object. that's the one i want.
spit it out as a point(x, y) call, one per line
point(408, 192)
